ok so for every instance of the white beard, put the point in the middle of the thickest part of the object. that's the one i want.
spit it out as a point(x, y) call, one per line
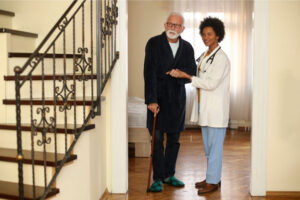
point(173, 36)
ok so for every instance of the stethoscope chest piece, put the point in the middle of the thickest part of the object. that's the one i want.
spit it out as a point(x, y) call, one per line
point(211, 59)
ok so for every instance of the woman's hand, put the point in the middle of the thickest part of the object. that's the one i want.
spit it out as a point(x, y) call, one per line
point(176, 73)
point(154, 108)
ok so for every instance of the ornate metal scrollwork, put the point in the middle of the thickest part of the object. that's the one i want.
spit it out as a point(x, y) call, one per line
point(109, 20)
point(35, 61)
point(83, 64)
point(42, 112)
point(44, 140)
point(63, 24)
point(64, 94)
point(115, 11)
point(43, 124)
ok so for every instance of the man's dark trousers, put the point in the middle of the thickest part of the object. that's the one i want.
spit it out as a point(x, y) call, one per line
point(164, 160)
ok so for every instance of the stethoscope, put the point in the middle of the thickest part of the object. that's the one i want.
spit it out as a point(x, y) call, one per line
point(211, 58)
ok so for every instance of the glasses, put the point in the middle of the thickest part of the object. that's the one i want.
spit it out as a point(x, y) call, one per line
point(176, 26)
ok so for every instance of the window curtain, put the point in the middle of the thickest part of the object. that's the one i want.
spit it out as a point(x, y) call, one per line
point(238, 19)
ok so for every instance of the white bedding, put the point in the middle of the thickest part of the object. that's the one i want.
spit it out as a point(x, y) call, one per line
point(137, 112)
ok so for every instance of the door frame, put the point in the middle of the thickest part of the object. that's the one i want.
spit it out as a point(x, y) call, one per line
point(258, 177)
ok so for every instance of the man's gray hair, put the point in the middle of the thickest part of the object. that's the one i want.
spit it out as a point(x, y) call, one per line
point(176, 14)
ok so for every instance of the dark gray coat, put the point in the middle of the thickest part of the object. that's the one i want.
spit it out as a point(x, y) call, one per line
point(160, 88)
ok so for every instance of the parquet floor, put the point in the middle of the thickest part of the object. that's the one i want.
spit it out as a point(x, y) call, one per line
point(191, 167)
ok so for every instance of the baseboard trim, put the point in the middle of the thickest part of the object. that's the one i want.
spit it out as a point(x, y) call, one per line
point(244, 129)
point(289, 194)
point(105, 195)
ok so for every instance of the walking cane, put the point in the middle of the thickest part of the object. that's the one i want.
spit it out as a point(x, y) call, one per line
point(152, 148)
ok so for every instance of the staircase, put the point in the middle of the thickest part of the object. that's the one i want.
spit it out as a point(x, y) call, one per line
point(50, 93)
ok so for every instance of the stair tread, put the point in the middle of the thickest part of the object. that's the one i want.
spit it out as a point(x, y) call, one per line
point(7, 13)
point(48, 77)
point(17, 32)
point(48, 55)
point(60, 128)
point(49, 101)
point(10, 190)
point(10, 155)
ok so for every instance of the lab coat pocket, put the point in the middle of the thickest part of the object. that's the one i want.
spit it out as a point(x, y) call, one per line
point(195, 112)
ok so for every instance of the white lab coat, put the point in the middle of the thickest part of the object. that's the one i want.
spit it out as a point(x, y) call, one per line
point(213, 79)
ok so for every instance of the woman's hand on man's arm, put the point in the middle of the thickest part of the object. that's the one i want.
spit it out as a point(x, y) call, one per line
point(177, 73)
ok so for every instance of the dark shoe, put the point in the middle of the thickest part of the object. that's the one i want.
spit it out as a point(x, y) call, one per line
point(156, 187)
point(173, 181)
point(208, 188)
point(202, 183)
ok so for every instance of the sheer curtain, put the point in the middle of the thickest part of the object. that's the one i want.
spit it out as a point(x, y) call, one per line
point(238, 19)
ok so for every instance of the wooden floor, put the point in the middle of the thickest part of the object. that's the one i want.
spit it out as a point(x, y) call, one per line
point(191, 167)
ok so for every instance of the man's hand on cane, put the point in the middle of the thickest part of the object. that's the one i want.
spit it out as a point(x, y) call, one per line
point(154, 108)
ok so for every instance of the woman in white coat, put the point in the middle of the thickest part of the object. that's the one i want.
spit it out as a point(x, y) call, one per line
point(213, 78)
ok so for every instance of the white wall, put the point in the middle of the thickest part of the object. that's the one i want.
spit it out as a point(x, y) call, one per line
point(283, 163)
point(146, 19)
point(35, 16)
point(119, 94)
point(260, 98)
point(4, 44)
point(39, 16)
point(276, 113)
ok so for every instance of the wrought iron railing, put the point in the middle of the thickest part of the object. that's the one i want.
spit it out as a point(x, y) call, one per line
point(74, 37)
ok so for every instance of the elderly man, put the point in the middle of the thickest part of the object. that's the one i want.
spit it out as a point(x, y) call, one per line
point(165, 96)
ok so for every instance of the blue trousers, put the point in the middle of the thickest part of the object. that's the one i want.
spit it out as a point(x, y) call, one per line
point(164, 160)
point(213, 140)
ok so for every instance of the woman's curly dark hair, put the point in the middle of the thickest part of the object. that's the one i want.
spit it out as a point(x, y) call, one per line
point(216, 24)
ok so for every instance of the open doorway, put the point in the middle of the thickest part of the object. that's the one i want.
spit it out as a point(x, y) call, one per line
point(146, 19)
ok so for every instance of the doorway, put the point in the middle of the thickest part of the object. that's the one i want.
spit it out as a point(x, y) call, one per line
point(143, 31)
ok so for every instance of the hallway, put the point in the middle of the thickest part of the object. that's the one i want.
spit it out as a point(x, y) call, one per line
point(191, 168)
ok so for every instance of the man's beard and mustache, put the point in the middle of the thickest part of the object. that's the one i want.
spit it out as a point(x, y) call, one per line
point(172, 34)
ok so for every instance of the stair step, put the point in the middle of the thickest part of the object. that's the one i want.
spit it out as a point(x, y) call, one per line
point(50, 101)
point(6, 18)
point(19, 33)
point(7, 13)
point(10, 155)
point(48, 55)
point(59, 128)
point(49, 77)
point(10, 190)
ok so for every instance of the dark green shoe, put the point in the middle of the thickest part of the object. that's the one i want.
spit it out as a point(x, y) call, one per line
point(172, 180)
point(156, 186)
